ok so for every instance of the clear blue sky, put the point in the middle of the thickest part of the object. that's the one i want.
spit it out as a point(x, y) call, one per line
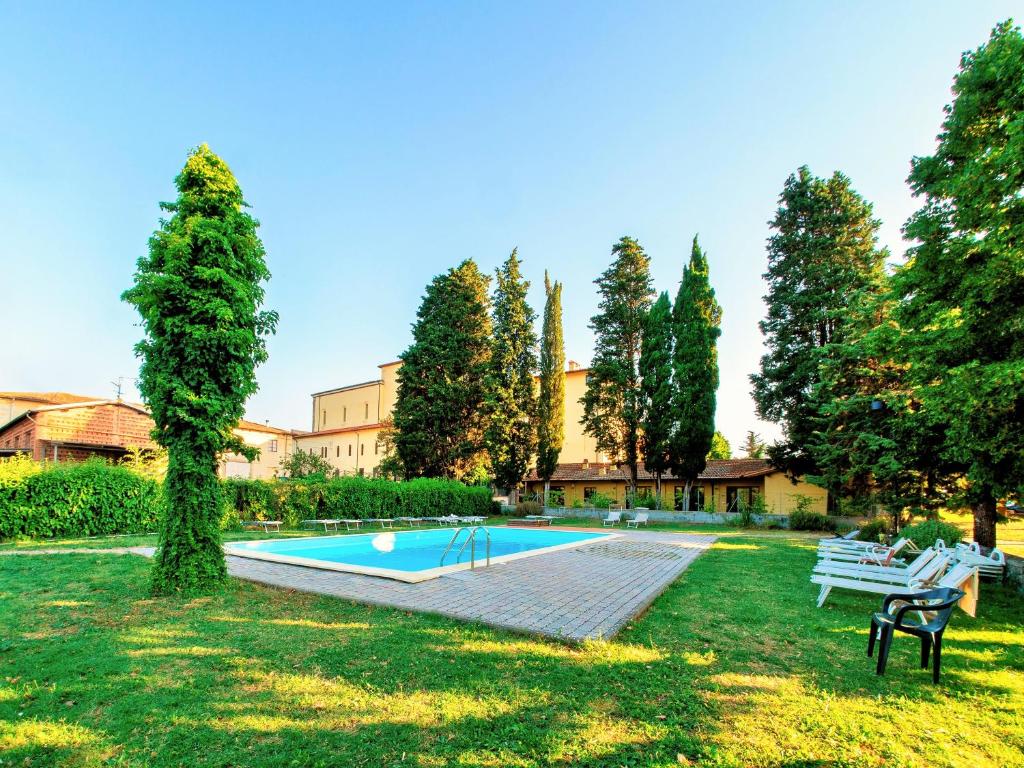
point(381, 145)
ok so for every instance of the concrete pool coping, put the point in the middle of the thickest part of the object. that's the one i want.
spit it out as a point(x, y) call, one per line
point(589, 591)
point(239, 549)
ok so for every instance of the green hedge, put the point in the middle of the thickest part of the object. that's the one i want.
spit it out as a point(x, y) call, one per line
point(88, 499)
point(800, 520)
point(292, 501)
point(925, 533)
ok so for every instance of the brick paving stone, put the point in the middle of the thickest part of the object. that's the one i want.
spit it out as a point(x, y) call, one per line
point(591, 591)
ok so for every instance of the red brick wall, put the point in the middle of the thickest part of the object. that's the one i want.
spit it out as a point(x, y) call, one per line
point(107, 425)
point(21, 435)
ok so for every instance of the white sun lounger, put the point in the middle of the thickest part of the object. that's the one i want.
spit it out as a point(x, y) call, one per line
point(385, 522)
point(326, 523)
point(639, 519)
point(266, 525)
point(988, 565)
point(877, 555)
point(614, 518)
point(928, 567)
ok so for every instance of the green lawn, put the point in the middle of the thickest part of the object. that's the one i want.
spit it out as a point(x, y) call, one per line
point(733, 666)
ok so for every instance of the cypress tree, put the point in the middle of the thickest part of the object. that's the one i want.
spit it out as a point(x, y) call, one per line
point(613, 403)
point(656, 387)
point(199, 292)
point(961, 289)
point(439, 408)
point(696, 320)
point(551, 394)
point(822, 251)
point(511, 427)
point(753, 445)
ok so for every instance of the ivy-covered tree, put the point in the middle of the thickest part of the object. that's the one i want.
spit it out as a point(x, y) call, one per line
point(962, 288)
point(199, 293)
point(613, 402)
point(823, 250)
point(753, 446)
point(551, 390)
point(720, 448)
point(658, 422)
point(439, 409)
point(511, 405)
point(697, 320)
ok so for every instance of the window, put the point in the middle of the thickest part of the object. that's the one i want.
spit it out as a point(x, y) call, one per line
point(366, 407)
point(376, 448)
point(323, 418)
point(323, 452)
point(273, 446)
point(696, 498)
point(344, 414)
point(337, 451)
point(361, 472)
point(589, 493)
point(362, 449)
point(738, 497)
point(350, 449)
point(556, 497)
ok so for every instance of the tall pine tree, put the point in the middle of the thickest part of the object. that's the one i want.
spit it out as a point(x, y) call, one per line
point(962, 288)
point(511, 427)
point(439, 410)
point(753, 445)
point(613, 402)
point(822, 252)
point(199, 292)
point(696, 320)
point(656, 387)
point(551, 394)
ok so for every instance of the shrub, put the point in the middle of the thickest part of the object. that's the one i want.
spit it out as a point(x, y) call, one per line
point(89, 499)
point(646, 499)
point(925, 533)
point(801, 519)
point(524, 508)
point(248, 500)
point(601, 500)
point(874, 530)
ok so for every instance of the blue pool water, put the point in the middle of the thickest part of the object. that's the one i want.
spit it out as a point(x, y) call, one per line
point(406, 551)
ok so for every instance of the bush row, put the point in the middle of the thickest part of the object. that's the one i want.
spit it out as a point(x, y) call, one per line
point(66, 500)
point(292, 501)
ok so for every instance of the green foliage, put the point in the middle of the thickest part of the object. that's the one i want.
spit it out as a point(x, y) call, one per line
point(511, 408)
point(960, 291)
point(146, 462)
point(524, 508)
point(720, 448)
point(823, 251)
point(551, 393)
point(301, 463)
point(874, 530)
point(293, 501)
point(14, 469)
point(439, 414)
point(802, 520)
point(612, 404)
point(753, 446)
point(647, 500)
point(601, 500)
point(390, 466)
point(697, 320)
point(656, 388)
point(75, 499)
point(925, 533)
point(199, 293)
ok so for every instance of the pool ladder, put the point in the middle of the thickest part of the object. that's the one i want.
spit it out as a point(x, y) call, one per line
point(470, 542)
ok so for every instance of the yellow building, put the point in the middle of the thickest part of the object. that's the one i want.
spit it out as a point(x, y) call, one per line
point(274, 444)
point(723, 486)
point(347, 422)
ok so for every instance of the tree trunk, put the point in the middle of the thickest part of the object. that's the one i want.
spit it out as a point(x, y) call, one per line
point(657, 490)
point(985, 520)
point(632, 482)
point(686, 496)
point(547, 490)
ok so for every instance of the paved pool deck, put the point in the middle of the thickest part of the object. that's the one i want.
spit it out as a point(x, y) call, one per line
point(590, 591)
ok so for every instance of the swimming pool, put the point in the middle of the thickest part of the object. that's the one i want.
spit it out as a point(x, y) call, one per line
point(410, 555)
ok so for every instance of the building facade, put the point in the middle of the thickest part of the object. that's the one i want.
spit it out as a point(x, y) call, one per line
point(724, 486)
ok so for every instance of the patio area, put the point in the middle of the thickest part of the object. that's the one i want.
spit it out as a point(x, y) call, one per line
point(591, 591)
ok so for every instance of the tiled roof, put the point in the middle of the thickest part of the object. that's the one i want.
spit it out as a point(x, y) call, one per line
point(255, 426)
point(716, 469)
point(340, 430)
point(47, 398)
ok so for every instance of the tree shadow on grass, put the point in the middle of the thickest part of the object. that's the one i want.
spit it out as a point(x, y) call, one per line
point(260, 677)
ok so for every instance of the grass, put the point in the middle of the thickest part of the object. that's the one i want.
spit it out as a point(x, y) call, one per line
point(730, 667)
